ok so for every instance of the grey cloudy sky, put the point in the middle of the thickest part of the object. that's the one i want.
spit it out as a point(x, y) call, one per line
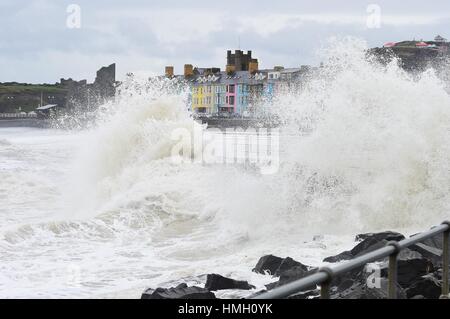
point(143, 36)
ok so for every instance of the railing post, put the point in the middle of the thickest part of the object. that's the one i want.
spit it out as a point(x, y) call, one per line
point(445, 262)
point(392, 272)
point(325, 290)
point(325, 286)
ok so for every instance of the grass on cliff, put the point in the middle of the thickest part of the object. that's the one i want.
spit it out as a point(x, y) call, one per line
point(31, 89)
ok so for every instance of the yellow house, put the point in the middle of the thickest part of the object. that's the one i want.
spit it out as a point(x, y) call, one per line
point(202, 98)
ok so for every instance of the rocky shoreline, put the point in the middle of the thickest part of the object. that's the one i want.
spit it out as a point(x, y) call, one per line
point(419, 274)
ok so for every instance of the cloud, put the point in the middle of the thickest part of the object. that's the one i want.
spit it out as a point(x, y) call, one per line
point(139, 35)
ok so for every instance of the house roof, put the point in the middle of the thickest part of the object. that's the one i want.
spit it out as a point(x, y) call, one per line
point(225, 79)
point(46, 107)
point(239, 77)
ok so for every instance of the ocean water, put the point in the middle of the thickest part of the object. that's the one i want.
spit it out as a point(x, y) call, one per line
point(107, 210)
point(161, 225)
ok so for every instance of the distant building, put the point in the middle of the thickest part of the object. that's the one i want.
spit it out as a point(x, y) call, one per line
point(415, 56)
point(239, 61)
point(238, 89)
point(440, 39)
point(84, 96)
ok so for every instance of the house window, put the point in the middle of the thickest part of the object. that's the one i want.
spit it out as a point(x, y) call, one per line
point(231, 100)
point(231, 88)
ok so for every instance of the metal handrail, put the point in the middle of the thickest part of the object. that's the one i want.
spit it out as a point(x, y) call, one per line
point(325, 275)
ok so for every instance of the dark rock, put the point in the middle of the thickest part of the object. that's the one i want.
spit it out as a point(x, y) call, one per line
point(409, 254)
point(427, 286)
point(360, 290)
point(411, 266)
point(287, 264)
point(431, 248)
point(272, 285)
point(369, 242)
point(438, 273)
point(411, 269)
point(180, 292)
point(276, 266)
point(345, 284)
point(387, 235)
point(368, 245)
point(183, 285)
point(217, 282)
point(346, 255)
point(435, 242)
point(432, 253)
point(269, 264)
point(291, 275)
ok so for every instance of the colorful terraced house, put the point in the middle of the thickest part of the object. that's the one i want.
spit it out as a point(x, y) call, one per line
point(240, 89)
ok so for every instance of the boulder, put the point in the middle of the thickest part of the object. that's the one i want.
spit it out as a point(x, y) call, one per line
point(183, 285)
point(287, 264)
point(268, 264)
point(346, 255)
point(276, 266)
point(368, 242)
point(431, 248)
point(216, 282)
point(360, 290)
point(435, 241)
point(387, 235)
point(434, 254)
point(368, 245)
point(429, 287)
point(179, 292)
point(291, 275)
point(410, 267)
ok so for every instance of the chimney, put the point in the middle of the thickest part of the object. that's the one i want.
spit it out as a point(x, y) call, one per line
point(169, 71)
point(188, 70)
point(253, 67)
